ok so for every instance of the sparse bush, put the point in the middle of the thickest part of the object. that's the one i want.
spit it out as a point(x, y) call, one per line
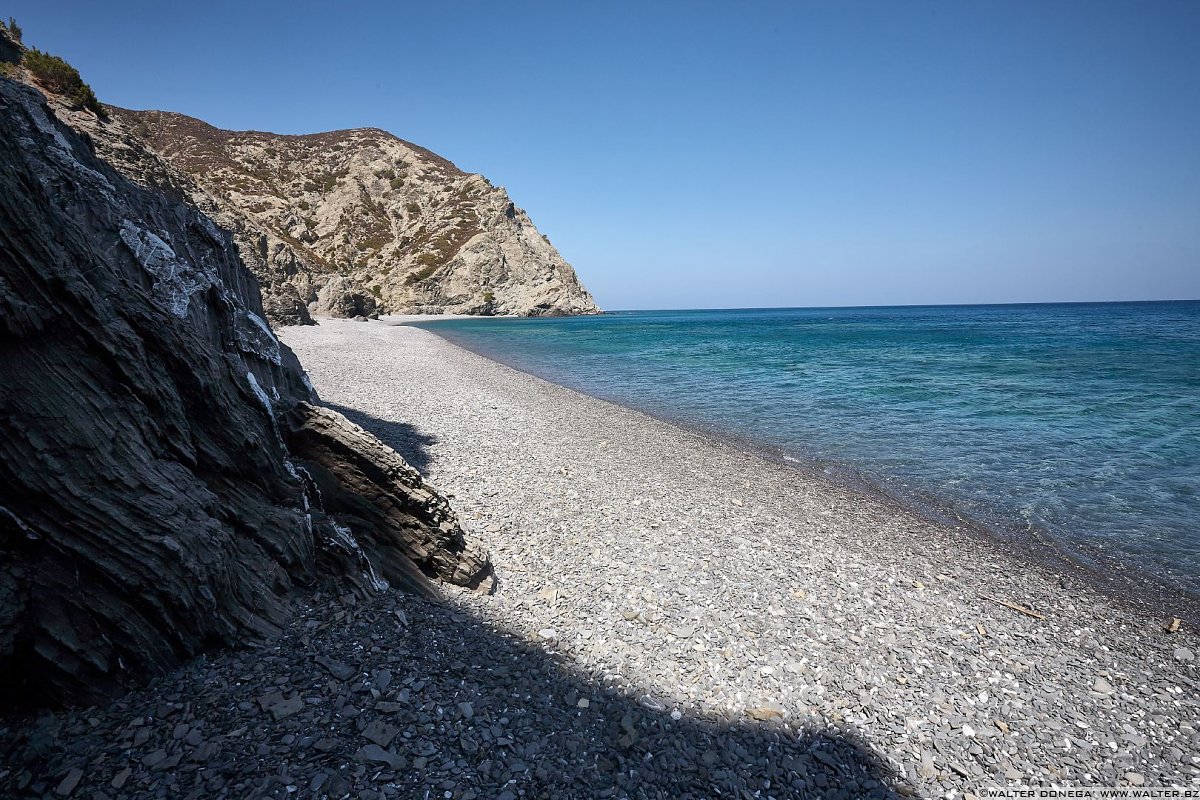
point(56, 75)
point(412, 208)
point(14, 30)
point(377, 241)
point(428, 260)
point(420, 275)
point(489, 297)
point(396, 183)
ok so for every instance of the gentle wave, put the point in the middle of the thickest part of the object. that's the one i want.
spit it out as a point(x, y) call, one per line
point(1081, 421)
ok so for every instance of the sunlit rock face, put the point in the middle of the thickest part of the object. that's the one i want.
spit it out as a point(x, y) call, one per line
point(381, 218)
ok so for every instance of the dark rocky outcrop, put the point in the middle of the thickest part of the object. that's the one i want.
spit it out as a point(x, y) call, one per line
point(150, 502)
point(286, 308)
point(369, 487)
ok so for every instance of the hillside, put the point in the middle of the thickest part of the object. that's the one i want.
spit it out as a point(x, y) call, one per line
point(358, 221)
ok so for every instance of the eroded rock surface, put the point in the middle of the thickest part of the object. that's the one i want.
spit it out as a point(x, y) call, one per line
point(149, 505)
point(342, 298)
point(369, 487)
point(384, 220)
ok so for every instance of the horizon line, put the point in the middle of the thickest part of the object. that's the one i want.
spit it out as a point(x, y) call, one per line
point(908, 305)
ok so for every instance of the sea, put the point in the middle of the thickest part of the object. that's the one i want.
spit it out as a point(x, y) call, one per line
point(1073, 427)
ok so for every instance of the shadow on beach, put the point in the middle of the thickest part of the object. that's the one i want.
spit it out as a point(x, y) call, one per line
point(405, 439)
point(396, 697)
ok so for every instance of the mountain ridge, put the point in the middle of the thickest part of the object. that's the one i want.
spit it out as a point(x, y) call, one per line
point(358, 221)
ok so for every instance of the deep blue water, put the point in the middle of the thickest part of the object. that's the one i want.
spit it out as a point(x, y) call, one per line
point(1077, 422)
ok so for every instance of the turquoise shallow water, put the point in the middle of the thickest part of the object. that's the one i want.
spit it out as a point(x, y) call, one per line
point(1075, 422)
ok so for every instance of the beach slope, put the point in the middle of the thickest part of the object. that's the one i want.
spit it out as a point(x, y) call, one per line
point(714, 584)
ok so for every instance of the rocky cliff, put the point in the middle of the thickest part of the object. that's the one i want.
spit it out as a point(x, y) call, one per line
point(352, 222)
point(166, 480)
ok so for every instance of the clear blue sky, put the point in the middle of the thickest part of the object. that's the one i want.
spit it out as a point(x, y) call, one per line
point(704, 154)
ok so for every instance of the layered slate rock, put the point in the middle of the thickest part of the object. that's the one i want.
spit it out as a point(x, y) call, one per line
point(385, 220)
point(150, 505)
point(369, 487)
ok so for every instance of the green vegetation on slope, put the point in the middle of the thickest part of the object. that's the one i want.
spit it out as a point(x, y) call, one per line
point(56, 75)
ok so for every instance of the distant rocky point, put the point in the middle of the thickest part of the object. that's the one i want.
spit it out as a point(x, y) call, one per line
point(358, 222)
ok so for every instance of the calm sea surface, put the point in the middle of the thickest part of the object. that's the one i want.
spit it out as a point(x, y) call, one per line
point(1076, 422)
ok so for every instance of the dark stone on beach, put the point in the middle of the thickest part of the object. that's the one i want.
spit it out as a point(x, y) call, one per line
point(69, 782)
point(380, 733)
point(205, 751)
point(267, 700)
point(338, 669)
point(286, 708)
point(160, 483)
point(118, 781)
point(374, 754)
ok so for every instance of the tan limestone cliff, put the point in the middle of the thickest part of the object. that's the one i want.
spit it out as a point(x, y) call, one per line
point(354, 222)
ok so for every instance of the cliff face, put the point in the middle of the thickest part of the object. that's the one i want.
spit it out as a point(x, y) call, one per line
point(358, 221)
point(165, 481)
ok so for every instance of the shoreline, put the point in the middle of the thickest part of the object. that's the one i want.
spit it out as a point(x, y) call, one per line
point(700, 575)
point(1120, 582)
point(674, 616)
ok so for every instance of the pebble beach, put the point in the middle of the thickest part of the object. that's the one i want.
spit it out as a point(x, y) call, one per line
point(673, 616)
point(706, 579)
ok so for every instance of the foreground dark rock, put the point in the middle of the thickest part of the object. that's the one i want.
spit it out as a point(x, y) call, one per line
point(369, 487)
point(150, 508)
